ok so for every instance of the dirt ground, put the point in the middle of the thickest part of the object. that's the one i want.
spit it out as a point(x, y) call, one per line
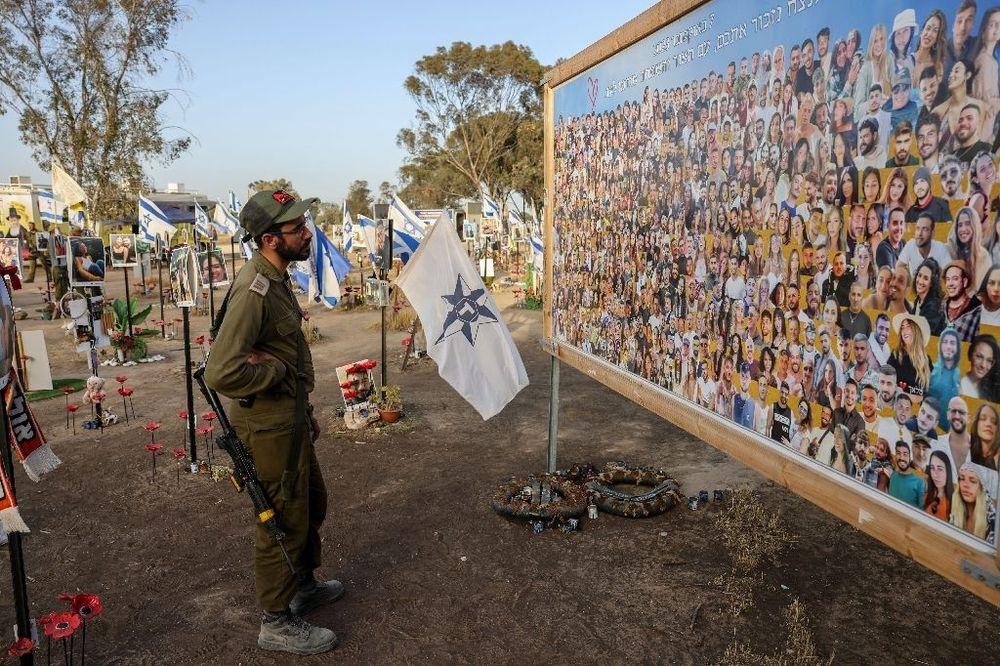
point(433, 575)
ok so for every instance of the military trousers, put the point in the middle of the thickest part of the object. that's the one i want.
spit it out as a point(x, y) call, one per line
point(266, 427)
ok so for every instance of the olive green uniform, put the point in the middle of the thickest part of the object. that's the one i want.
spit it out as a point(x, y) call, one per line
point(262, 314)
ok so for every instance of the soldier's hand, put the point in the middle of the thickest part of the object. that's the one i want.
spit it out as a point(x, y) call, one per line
point(255, 356)
point(315, 428)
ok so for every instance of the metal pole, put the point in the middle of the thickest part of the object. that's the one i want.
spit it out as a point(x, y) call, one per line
point(159, 282)
point(190, 386)
point(17, 571)
point(211, 281)
point(553, 413)
point(142, 272)
point(128, 302)
point(232, 251)
point(386, 263)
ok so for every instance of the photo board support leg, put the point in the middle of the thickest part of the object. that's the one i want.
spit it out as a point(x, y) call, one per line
point(188, 380)
point(128, 302)
point(159, 283)
point(142, 273)
point(22, 610)
point(553, 414)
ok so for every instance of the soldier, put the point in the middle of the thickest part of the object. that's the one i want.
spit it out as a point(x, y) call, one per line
point(261, 360)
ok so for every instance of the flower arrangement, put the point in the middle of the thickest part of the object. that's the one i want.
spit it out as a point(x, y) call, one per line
point(390, 402)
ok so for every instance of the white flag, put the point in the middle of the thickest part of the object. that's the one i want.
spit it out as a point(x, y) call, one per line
point(466, 335)
point(64, 187)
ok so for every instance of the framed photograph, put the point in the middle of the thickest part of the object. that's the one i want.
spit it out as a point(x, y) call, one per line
point(123, 250)
point(86, 261)
point(6, 333)
point(42, 241)
point(57, 249)
point(184, 277)
point(212, 266)
point(10, 254)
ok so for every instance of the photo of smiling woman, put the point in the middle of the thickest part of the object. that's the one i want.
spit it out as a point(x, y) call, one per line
point(972, 506)
point(940, 488)
point(985, 442)
point(983, 378)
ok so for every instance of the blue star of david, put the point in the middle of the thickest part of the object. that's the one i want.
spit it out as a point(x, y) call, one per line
point(466, 312)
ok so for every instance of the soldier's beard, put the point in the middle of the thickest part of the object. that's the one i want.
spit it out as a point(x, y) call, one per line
point(291, 254)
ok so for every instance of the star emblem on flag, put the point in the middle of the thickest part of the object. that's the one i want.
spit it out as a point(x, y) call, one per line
point(467, 312)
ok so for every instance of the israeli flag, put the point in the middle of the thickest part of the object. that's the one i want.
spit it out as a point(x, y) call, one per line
point(466, 334)
point(235, 205)
point(404, 219)
point(225, 221)
point(201, 221)
point(347, 231)
point(538, 253)
point(403, 243)
point(320, 277)
point(490, 207)
point(49, 207)
point(153, 221)
point(514, 218)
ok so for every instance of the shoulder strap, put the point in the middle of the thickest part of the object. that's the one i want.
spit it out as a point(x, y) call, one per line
point(289, 477)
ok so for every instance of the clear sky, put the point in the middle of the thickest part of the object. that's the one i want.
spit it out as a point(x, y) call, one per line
point(313, 91)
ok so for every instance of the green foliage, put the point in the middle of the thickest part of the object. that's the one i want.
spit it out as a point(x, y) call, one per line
point(120, 338)
point(78, 74)
point(475, 107)
point(359, 198)
point(276, 184)
point(388, 398)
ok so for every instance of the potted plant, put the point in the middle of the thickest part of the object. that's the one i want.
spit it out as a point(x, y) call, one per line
point(389, 400)
point(128, 344)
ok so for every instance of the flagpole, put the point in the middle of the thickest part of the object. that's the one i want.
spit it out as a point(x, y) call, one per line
point(190, 388)
point(385, 276)
point(17, 569)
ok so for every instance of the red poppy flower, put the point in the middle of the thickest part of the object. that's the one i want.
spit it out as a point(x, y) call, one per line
point(72, 408)
point(21, 647)
point(121, 379)
point(405, 342)
point(68, 389)
point(182, 414)
point(203, 430)
point(178, 452)
point(154, 448)
point(345, 385)
point(60, 625)
point(87, 606)
point(151, 426)
point(200, 339)
point(209, 416)
point(125, 392)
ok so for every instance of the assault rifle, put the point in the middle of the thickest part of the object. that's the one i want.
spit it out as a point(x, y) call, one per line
point(244, 474)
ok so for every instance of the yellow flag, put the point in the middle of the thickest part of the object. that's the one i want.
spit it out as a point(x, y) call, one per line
point(64, 187)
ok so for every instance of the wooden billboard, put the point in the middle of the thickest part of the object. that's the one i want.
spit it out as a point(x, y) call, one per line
point(675, 228)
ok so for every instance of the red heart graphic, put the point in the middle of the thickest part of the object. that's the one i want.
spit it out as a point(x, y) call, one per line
point(592, 92)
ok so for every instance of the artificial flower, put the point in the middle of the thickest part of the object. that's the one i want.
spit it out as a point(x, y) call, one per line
point(178, 452)
point(151, 426)
point(209, 416)
point(60, 625)
point(121, 379)
point(20, 647)
point(154, 448)
point(87, 606)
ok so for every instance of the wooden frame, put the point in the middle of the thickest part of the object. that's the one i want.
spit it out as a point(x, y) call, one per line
point(948, 551)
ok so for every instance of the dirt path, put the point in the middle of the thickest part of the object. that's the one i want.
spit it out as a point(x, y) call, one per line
point(433, 575)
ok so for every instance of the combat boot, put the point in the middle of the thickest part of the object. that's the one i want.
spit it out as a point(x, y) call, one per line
point(313, 593)
point(287, 632)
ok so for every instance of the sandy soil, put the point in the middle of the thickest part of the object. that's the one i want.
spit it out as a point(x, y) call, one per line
point(432, 574)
